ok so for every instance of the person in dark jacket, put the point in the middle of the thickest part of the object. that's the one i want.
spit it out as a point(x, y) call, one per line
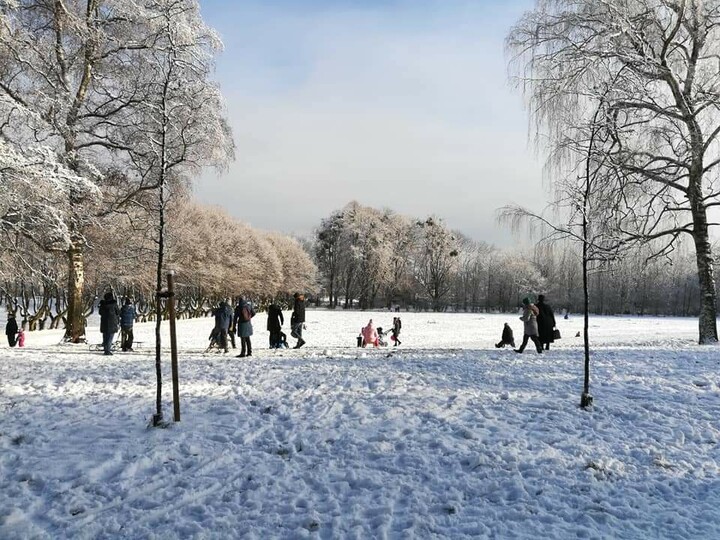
point(244, 313)
point(297, 320)
point(546, 322)
point(223, 318)
point(275, 321)
point(109, 321)
point(507, 337)
point(11, 330)
point(396, 327)
point(127, 320)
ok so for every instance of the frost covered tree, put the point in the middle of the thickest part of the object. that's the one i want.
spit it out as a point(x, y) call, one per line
point(436, 260)
point(180, 125)
point(653, 64)
point(69, 81)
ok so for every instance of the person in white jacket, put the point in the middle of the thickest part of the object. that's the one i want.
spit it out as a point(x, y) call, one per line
point(529, 319)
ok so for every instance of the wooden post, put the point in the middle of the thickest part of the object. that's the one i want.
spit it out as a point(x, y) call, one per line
point(173, 346)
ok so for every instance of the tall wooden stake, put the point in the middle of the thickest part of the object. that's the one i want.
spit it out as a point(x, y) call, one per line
point(173, 346)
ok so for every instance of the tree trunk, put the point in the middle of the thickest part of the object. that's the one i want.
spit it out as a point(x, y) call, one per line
point(708, 294)
point(75, 327)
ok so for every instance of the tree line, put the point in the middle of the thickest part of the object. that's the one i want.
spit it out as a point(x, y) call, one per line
point(369, 258)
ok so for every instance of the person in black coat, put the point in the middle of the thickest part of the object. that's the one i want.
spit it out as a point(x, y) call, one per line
point(297, 320)
point(546, 322)
point(11, 330)
point(109, 321)
point(275, 321)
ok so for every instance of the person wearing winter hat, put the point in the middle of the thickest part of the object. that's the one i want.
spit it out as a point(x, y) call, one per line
point(529, 319)
point(109, 321)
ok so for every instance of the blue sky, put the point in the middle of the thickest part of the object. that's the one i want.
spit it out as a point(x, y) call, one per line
point(398, 104)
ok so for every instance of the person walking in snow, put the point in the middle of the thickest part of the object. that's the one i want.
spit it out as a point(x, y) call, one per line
point(397, 325)
point(244, 313)
point(546, 323)
point(223, 318)
point(507, 337)
point(11, 329)
point(109, 321)
point(297, 319)
point(370, 335)
point(275, 320)
point(127, 320)
point(529, 319)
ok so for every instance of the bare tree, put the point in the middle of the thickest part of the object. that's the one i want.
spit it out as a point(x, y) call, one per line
point(180, 126)
point(653, 64)
point(436, 260)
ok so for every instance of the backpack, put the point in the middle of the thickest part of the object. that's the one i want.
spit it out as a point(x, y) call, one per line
point(246, 313)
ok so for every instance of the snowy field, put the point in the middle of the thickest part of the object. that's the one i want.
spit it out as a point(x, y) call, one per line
point(443, 437)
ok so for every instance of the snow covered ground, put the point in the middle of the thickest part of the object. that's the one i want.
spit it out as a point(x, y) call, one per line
point(443, 437)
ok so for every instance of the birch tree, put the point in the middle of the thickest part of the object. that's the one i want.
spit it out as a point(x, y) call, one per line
point(180, 126)
point(68, 79)
point(654, 62)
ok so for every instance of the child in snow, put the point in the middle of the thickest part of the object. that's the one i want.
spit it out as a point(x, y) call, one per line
point(278, 340)
point(507, 337)
point(21, 335)
point(381, 337)
point(360, 338)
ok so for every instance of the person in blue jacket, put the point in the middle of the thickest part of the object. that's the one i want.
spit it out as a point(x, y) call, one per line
point(127, 319)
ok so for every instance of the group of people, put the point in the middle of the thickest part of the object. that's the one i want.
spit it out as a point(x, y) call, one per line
point(369, 335)
point(238, 322)
point(15, 334)
point(538, 325)
point(113, 318)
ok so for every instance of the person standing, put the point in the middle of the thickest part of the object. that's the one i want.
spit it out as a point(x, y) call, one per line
point(397, 325)
point(21, 334)
point(275, 321)
point(127, 320)
point(11, 330)
point(546, 323)
point(297, 320)
point(109, 321)
point(223, 317)
point(244, 313)
point(529, 319)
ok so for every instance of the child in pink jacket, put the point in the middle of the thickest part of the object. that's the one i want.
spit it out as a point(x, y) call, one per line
point(21, 335)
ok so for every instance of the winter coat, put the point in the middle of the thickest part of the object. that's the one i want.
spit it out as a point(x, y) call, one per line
point(109, 316)
point(545, 322)
point(370, 335)
point(127, 316)
point(243, 328)
point(223, 316)
point(11, 328)
point(298, 314)
point(397, 325)
point(275, 319)
point(507, 334)
point(529, 317)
